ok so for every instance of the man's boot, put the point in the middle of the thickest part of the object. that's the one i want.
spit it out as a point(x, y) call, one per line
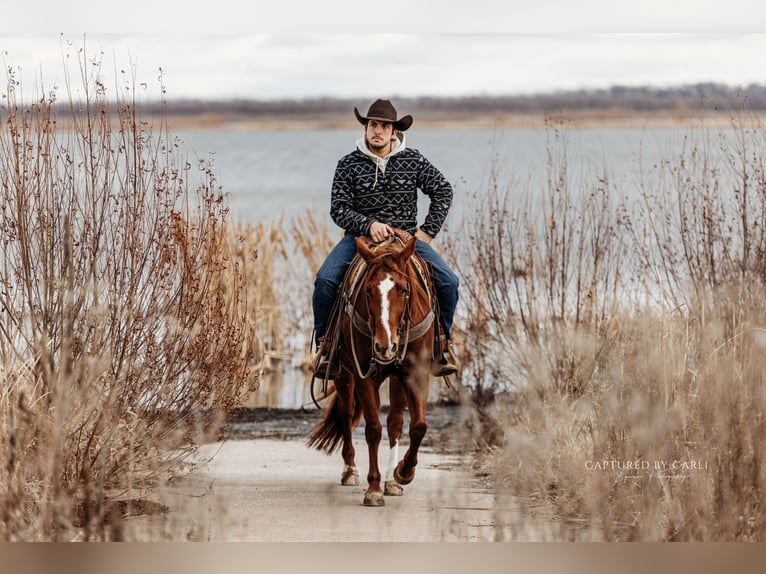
point(321, 365)
point(448, 363)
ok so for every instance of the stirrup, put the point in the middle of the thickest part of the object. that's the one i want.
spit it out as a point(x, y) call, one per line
point(322, 367)
point(447, 364)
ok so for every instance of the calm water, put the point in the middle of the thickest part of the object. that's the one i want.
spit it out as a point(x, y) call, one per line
point(268, 173)
point(273, 173)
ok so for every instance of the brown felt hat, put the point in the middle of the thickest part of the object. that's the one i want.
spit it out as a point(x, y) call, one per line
point(384, 111)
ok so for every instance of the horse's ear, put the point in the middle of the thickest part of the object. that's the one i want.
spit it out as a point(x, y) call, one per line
point(363, 248)
point(408, 249)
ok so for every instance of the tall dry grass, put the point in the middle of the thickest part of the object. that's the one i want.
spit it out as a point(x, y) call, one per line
point(124, 335)
point(618, 343)
point(278, 288)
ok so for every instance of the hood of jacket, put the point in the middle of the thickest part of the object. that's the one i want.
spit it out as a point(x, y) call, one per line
point(398, 144)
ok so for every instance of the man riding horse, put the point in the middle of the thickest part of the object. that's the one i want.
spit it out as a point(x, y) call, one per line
point(374, 191)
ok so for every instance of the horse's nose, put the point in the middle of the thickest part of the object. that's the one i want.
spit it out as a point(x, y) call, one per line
point(385, 352)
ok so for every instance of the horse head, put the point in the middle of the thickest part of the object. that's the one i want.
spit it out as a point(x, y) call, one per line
point(387, 292)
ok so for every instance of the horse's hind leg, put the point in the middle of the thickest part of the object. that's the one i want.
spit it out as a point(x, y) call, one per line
point(417, 398)
point(394, 424)
point(345, 389)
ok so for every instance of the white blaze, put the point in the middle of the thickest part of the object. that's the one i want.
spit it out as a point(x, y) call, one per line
point(385, 287)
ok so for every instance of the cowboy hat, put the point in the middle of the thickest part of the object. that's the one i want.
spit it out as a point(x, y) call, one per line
point(384, 111)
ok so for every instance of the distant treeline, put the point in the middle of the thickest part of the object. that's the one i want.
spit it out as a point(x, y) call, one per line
point(692, 97)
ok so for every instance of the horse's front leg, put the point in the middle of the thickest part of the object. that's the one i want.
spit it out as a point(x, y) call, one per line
point(417, 398)
point(394, 424)
point(373, 430)
point(345, 389)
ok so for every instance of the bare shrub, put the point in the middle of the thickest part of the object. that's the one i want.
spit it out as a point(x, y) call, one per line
point(122, 336)
point(542, 279)
point(631, 341)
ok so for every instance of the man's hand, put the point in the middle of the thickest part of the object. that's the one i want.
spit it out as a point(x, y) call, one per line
point(423, 236)
point(380, 231)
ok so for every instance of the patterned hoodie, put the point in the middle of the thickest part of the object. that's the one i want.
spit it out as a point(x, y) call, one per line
point(369, 188)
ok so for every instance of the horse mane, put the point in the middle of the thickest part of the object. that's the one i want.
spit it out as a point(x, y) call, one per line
point(391, 246)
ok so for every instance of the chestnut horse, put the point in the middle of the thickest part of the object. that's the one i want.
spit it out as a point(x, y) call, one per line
point(386, 331)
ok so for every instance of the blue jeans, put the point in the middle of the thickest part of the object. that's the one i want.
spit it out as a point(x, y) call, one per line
point(330, 276)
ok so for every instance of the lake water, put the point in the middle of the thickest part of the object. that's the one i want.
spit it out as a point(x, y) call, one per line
point(268, 173)
point(273, 173)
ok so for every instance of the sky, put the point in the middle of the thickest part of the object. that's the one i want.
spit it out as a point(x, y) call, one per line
point(342, 48)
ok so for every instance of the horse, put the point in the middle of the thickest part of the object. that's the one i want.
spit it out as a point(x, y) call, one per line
point(386, 331)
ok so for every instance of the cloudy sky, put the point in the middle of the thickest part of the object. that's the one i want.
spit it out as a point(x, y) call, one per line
point(287, 49)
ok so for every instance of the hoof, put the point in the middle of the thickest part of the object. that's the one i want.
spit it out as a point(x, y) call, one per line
point(400, 478)
point(374, 499)
point(350, 477)
point(392, 489)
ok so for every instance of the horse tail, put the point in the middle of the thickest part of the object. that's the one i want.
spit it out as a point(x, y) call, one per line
point(328, 434)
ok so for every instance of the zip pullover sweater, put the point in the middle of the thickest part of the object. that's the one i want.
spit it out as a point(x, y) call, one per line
point(368, 188)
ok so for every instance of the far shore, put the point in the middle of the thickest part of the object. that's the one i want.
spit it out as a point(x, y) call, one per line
point(578, 119)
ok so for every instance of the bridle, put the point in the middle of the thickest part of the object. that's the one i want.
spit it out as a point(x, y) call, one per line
point(405, 331)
